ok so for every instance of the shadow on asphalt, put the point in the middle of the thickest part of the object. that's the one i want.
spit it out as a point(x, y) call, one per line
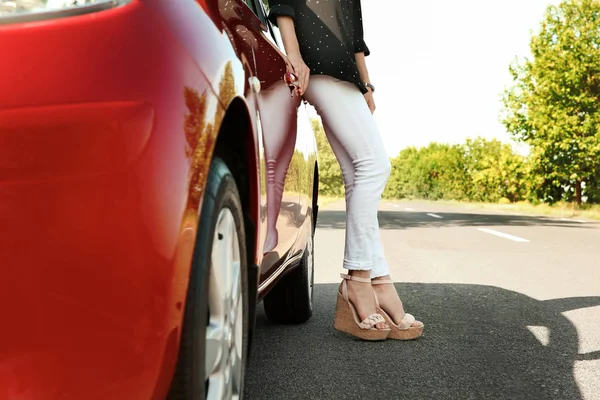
point(405, 220)
point(476, 346)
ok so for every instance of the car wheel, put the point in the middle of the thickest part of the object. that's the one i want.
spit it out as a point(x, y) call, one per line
point(291, 300)
point(214, 343)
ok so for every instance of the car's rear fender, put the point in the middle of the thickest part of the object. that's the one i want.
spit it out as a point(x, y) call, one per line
point(237, 145)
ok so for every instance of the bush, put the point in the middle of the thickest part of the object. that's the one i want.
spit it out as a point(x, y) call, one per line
point(478, 170)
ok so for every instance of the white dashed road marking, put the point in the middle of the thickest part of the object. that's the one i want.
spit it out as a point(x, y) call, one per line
point(435, 216)
point(503, 235)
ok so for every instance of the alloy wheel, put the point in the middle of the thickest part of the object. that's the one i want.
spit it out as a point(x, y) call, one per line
point(224, 332)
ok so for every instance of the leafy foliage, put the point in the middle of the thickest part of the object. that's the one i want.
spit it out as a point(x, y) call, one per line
point(434, 172)
point(553, 104)
point(479, 170)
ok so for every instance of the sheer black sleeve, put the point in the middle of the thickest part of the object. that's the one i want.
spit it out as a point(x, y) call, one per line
point(329, 33)
point(359, 42)
point(281, 8)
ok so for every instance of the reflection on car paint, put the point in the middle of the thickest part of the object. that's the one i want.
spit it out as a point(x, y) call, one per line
point(201, 135)
point(279, 136)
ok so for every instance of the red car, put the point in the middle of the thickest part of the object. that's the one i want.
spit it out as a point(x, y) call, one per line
point(156, 182)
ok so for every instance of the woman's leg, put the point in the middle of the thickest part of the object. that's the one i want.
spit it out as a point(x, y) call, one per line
point(355, 140)
point(379, 263)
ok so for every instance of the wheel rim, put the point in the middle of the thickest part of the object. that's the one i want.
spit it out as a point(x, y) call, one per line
point(310, 266)
point(224, 332)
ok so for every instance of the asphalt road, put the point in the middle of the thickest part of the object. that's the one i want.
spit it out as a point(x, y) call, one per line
point(511, 306)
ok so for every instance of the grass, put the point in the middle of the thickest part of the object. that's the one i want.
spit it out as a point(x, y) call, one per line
point(562, 210)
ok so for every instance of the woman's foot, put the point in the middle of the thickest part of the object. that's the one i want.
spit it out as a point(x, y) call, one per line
point(389, 301)
point(362, 298)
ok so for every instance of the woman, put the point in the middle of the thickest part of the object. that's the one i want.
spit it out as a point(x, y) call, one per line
point(324, 44)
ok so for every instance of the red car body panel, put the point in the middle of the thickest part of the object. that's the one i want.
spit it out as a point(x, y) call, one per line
point(104, 147)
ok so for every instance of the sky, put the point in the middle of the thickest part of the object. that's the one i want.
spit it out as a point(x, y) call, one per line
point(440, 66)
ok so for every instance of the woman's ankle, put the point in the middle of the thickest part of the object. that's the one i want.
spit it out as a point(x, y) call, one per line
point(360, 273)
point(382, 278)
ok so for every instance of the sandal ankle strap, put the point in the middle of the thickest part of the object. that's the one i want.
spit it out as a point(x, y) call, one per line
point(351, 278)
point(355, 278)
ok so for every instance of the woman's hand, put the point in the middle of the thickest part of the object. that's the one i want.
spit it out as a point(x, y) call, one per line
point(370, 100)
point(298, 67)
point(295, 63)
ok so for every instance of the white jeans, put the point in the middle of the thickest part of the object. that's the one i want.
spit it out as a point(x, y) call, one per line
point(354, 138)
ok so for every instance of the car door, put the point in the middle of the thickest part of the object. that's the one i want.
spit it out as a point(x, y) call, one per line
point(276, 122)
point(290, 149)
point(303, 166)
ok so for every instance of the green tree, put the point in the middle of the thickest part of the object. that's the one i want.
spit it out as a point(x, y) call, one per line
point(494, 171)
point(478, 170)
point(553, 104)
point(433, 172)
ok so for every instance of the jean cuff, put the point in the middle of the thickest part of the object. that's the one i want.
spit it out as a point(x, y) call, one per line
point(358, 265)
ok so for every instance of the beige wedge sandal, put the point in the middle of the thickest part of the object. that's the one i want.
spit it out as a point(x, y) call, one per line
point(408, 329)
point(347, 319)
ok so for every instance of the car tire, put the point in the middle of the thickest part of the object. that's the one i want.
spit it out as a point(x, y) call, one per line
point(214, 347)
point(291, 300)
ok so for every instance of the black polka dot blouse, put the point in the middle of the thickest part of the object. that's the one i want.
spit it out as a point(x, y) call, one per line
point(329, 32)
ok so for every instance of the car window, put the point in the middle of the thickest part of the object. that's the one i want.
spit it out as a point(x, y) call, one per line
point(250, 5)
point(263, 11)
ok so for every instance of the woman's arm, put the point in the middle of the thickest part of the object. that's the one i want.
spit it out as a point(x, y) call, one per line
point(292, 50)
point(282, 14)
point(360, 52)
point(361, 63)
